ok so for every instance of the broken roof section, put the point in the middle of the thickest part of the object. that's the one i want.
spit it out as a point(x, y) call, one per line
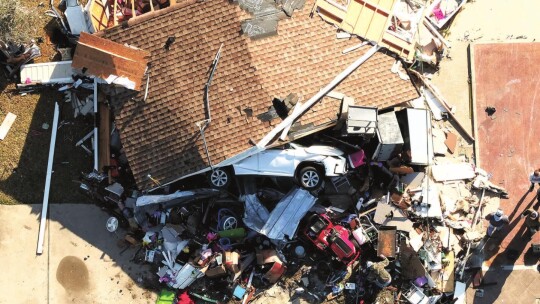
point(110, 61)
point(393, 24)
point(160, 136)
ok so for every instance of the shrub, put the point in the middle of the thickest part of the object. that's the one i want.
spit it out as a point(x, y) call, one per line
point(17, 23)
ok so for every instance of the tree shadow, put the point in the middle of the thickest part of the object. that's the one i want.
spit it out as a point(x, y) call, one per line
point(23, 179)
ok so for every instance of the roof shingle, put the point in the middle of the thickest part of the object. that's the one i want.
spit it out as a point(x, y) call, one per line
point(160, 136)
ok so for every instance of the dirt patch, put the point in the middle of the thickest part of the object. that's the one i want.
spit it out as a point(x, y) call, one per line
point(72, 274)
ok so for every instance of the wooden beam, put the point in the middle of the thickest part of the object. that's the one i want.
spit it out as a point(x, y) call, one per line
point(104, 159)
point(115, 8)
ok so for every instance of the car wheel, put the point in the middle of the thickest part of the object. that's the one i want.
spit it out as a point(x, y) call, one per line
point(219, 178)
point(310, 178)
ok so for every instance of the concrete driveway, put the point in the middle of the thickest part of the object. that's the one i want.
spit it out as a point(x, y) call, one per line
point(82, 262)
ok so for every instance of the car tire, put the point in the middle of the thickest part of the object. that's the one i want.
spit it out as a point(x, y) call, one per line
point(219, 178)
point(310, 178)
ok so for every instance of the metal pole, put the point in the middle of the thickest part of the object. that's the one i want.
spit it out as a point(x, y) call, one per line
point(95, 126)
point(47, 181)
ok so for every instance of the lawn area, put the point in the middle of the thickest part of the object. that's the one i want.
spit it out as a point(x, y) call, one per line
point(24, 151)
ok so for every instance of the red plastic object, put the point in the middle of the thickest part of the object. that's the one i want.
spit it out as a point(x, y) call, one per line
point(332, 238)
point(275, 272)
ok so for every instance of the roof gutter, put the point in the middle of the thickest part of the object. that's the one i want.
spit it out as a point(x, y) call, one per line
point(205, 123)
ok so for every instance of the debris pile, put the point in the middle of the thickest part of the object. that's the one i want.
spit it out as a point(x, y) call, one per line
point(384, 205)
point(395, 224)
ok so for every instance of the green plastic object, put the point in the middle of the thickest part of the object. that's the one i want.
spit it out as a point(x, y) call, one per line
point(237, 233)
point(166, 297)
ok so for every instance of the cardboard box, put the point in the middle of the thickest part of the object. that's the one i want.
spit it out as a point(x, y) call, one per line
point(216, 272)
point(231, 261)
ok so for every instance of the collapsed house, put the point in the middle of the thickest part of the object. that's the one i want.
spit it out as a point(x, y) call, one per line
point(218, 84)
point(174, 132)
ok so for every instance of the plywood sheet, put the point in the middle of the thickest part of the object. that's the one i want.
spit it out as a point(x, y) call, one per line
point(449, 172)
point(102, 58)
point(399, 220)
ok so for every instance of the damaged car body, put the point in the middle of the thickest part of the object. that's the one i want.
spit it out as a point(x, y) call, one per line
point(309, 165)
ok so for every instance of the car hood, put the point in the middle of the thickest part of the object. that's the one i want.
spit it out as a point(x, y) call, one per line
point(324, 150)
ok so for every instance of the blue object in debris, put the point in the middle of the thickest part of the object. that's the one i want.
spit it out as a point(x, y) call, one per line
point(239, 292)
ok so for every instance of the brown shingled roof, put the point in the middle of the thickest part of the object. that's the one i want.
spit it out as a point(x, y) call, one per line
point(160, 136)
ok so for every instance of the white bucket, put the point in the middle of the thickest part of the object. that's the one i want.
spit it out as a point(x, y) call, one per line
point(359, 235)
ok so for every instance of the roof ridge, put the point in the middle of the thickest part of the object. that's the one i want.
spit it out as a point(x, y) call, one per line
point(149, 15)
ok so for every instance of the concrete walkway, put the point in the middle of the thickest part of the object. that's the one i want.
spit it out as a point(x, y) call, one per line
point(82, 262)
point(509, 286)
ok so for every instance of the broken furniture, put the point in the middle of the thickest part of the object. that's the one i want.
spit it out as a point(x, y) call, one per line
point(415, 295)
point(369, 230)
point(390, 23)
point(389, 135)
point(415, 125)
point(361, 121)
point(179, 277)
point(13, 56)
point(390, 215)
point(75, 17)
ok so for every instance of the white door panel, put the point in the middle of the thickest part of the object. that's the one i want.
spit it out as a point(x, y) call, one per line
point(277, 162)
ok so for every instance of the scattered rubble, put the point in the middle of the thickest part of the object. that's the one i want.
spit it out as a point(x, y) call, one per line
point(384, 204)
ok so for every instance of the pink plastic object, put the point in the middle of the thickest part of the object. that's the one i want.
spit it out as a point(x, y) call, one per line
point(437, 12)
point(357, 159)
point(211, 236)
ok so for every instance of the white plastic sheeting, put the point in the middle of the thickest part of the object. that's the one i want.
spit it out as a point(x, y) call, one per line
point(283, 221)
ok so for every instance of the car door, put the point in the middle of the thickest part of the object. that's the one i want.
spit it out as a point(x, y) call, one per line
point(247, 166)
point(277, 162)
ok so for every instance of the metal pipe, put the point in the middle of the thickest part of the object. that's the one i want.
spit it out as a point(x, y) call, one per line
point(95, 126)
point(45, 204)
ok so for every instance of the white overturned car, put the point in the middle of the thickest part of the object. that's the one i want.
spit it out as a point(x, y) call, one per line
point(308, 165)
